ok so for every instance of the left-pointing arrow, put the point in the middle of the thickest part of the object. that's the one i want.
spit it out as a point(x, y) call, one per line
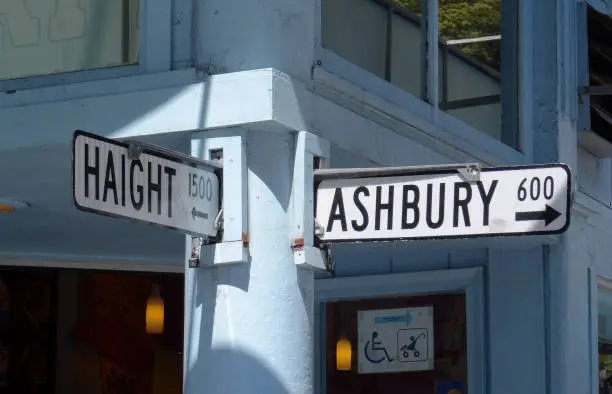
point(198, 214)
point(549, 215)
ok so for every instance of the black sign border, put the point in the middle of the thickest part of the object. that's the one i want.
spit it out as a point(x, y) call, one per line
point(145, 150)
point(565, 167)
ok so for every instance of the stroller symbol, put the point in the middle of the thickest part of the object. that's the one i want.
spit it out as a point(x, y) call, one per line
point(410, 347)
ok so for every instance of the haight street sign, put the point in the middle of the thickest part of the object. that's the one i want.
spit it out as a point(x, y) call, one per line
point(155, 186)
point(440, 203)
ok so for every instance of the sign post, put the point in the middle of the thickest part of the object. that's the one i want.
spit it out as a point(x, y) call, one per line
point(442, 202)
point(145, 183)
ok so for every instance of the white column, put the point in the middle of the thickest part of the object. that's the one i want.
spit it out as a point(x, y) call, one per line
point(249, 326)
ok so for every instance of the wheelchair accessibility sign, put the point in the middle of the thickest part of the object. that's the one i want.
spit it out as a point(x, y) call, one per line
point(396, 340)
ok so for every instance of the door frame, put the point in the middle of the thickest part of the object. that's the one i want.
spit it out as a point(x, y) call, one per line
point(97, 264)
point(468, 280)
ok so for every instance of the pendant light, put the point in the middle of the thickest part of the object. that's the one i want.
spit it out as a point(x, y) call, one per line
point(155, 312)
point(343, 354)
point(344, 351)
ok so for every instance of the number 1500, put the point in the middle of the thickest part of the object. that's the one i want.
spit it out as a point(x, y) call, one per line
point(200, 187)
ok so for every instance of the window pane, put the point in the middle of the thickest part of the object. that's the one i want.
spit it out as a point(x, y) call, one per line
point(470, 58)
point(356, 30)
point(406, 52)
point(380, 36)
point(47, 37)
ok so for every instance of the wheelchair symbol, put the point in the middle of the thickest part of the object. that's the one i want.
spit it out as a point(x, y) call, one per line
point(373, 346)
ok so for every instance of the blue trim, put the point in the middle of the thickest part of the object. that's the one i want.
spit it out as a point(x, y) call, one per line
point(592, 324)
point(470, 280)
point(525, 78)
point(547, 316)
point(582, 59)
point(155, 41)
point(570, 49)
point(316, 354)
point(41, 81)
point(100, 87)
point(509, 70)
point(320, 351)
point(432, 74)
point(487, 332)
point(477, 348)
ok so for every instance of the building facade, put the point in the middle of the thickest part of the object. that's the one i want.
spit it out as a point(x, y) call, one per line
point(281, 87)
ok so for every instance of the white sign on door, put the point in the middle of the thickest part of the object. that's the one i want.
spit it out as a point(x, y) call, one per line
point(395, 340)
point(162, 188)
point(434, 204)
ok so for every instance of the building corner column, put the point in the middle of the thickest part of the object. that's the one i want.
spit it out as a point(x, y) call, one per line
point(249, 325)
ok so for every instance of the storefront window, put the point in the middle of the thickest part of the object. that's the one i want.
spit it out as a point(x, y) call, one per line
point(604, 336)
point(50, 37)
point(85, 332)
point(401, 345)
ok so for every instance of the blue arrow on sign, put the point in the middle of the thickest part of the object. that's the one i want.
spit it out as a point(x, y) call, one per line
point(394, 319)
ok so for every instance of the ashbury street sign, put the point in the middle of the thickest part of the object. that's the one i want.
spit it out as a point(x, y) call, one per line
point(441, 203)
point(153, 186)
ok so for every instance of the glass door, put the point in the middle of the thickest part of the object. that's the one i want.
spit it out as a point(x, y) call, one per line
point(408, 344)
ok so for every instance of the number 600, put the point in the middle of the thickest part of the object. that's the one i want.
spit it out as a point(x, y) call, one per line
point(536, 187)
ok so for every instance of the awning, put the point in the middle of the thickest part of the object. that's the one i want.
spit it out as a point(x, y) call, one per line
point(601, 6)
point(600, 68)
point(597, 120)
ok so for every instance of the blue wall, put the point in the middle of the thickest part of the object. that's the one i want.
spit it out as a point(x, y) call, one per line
point(537, 306)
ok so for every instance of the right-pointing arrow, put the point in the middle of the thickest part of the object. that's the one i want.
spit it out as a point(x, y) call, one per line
point(548, 215)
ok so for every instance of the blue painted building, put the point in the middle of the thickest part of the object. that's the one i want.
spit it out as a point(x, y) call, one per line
point(275, 85)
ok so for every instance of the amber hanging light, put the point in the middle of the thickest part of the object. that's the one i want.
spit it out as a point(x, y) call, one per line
point(343, 354)
point(155, 312)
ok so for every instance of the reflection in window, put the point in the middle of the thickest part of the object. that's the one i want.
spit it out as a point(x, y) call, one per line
point(470, 59)
point(48, 37)
point(477, 45)
point(382, 37)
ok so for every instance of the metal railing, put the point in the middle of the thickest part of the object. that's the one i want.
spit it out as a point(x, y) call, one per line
point(447, 47)
point(472, 101)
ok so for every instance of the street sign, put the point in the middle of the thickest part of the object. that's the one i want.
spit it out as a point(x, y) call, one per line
point(441, 203)
point(146, 184)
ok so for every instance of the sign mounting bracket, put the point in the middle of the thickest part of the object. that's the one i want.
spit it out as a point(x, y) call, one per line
point(226, 148)
point(311, 153)
point(134, 150)
point(196, 251)
point(470, 172)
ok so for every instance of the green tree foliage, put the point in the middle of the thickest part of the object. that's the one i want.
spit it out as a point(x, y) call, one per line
point(467, 19)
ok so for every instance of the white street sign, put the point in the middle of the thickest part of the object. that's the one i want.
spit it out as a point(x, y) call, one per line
point(395, 340)
point(157, 187)
point(439, 203)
